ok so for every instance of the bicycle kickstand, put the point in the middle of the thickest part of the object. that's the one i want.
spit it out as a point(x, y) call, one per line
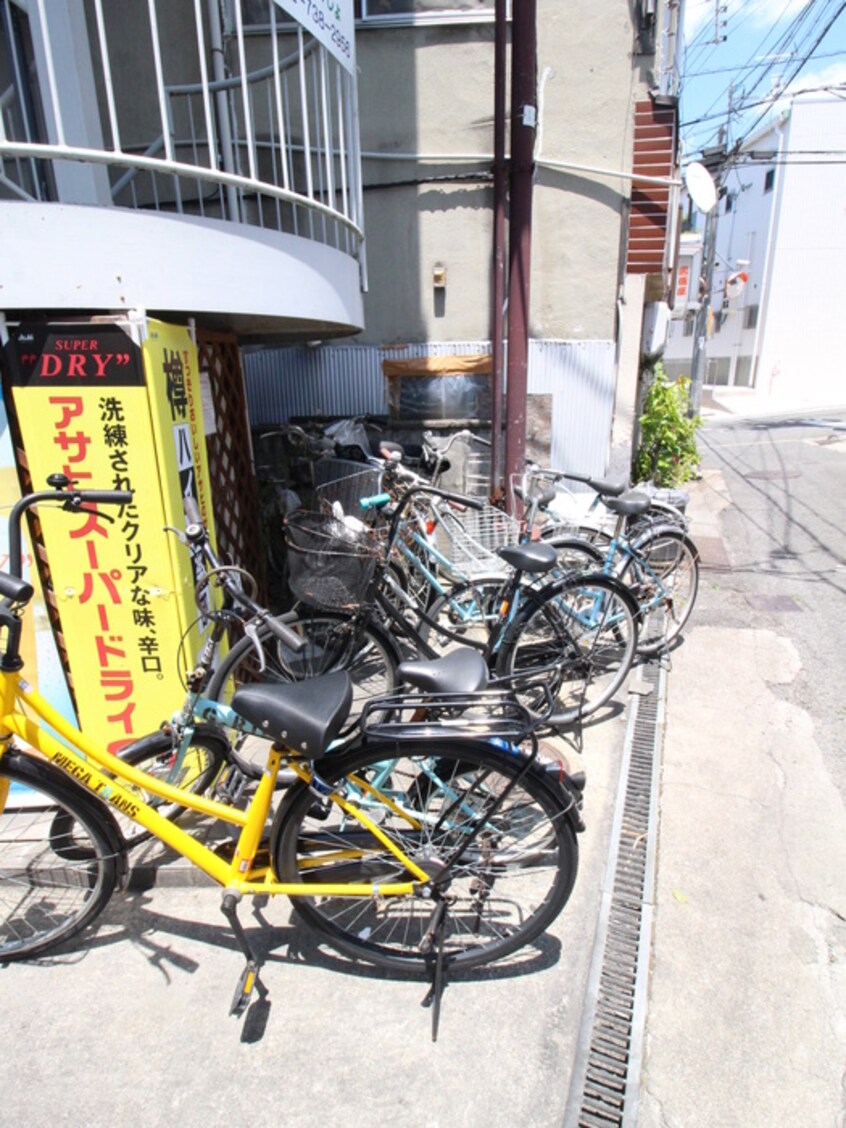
point(249, 976)
point(434, 938)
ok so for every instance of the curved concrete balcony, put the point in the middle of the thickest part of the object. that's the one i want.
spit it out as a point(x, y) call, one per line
point(186, 162)
point(261, 284)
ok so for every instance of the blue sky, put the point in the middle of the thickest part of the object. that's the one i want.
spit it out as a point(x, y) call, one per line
point(761, 57)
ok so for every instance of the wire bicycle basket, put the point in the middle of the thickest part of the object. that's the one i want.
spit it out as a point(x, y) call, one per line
point(468, 540)
point(342, 481)
point(330, 561)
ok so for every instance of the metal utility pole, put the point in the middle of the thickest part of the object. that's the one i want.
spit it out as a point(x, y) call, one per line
point(523, 127)
point(700, 327)
point(713, 159)
point(498, 283)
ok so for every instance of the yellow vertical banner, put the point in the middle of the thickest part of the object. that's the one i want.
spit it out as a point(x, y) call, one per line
point(173, 379)
point(83, 396)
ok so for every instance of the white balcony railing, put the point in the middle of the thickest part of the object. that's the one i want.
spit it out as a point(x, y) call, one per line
point(180, 106)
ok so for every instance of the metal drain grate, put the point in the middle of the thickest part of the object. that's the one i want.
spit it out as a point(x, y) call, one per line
point(606, 1076)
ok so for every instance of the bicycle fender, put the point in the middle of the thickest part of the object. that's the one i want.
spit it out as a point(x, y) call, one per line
point(662, 530)
point(96, 808)
point(553, 776)
point(557, 586)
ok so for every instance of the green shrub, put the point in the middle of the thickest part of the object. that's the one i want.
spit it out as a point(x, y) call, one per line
point(667, 454)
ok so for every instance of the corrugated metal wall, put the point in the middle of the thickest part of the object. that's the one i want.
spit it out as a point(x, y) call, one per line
point(348, 380)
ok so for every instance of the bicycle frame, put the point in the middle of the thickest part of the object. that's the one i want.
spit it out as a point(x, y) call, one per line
point(28, 715)
point(621, 552)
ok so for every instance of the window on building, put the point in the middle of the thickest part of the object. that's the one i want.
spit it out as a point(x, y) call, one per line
point(743, 372)
point(729, 202)
point(439, 388)
point(750, 317)
point(769, 180)
point(717, 371)
point(20, 106)
point(443, 397)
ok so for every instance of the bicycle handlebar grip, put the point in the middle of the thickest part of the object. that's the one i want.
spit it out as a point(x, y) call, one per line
point(376, 501)
point(191, 509)
point(104, 497)
point(283, 632)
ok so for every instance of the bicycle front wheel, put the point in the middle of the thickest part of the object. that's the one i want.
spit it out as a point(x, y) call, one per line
point(663, 574)
point(157, 755)
point(506, 883)
point(58, 858)
point(579, 634)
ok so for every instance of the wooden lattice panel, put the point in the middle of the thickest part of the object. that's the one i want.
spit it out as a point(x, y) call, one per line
point(234, 489)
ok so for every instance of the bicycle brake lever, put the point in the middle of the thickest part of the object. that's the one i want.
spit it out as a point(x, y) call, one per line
point(180, 536)
point(76, 507)
point(251, 631)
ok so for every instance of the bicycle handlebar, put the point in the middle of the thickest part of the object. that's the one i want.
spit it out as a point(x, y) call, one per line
point(63, 493)
point(198, 542)
point(599, 485)
point(431, 441)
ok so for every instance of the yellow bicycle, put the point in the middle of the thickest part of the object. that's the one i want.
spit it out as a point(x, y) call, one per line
point(433, 837)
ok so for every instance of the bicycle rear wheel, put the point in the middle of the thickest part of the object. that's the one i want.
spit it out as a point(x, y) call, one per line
point(58, 858)
point(506, 886)
point(580, 634)
point(577, 554)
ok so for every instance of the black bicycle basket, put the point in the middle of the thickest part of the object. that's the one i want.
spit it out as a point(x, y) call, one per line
point(330, 564)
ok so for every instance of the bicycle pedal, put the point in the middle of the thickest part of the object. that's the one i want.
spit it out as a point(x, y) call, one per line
point(244, 990)
point(231, 788)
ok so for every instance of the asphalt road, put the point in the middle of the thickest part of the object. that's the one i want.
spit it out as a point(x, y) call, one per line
point(785, 523)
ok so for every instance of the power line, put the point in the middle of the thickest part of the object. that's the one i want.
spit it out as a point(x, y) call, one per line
point(751, 66)
point(801, 64)
point(774, 47)
point(762, 49)
point(770, 101)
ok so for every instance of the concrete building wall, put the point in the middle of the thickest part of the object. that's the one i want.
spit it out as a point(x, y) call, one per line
point(430, 91)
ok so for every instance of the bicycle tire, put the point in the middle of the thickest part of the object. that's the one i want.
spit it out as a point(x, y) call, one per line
point(583, 627)
point(334, 642)
point(665, 558)
point(155, 754)
point(60, 855)
point(468, 610)
point(502, 900)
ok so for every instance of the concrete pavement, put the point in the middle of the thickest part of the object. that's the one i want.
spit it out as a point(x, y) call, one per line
point(746, 1021)
point(131, 1027)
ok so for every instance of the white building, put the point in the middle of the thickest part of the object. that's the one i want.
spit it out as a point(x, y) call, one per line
point(778, 289)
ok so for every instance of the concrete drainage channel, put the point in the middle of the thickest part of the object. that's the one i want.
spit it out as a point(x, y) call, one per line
point(604, 1086)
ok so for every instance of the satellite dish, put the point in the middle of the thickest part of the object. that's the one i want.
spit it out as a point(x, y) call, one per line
point(701, 186)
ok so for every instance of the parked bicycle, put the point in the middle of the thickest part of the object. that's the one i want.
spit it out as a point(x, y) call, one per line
point(462, 854)
point(578, 632)
point(648, 549)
